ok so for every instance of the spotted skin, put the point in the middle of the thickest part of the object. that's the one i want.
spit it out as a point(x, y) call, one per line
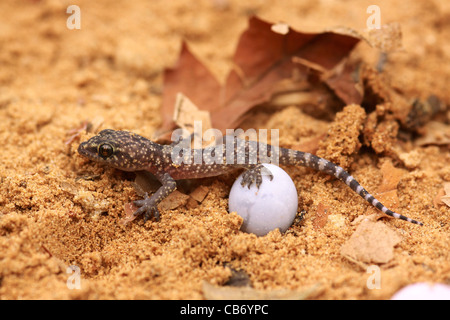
point(131, 152)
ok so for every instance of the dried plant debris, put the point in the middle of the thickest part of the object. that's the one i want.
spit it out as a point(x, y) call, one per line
point(423, 111)
point(372, 242)
point(346, 81)
point(264, 63)
point(129, 209)
point(434, 133)
point(387, 190)
point(321, 217)
point(86, 126)
point(186, 113)
point(391, 176)
point(173, 201)
point(277, 65)
point(199, 193)
point(443, 196)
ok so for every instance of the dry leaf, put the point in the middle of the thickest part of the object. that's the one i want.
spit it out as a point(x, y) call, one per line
point(372, 242)
point(129, 209)
point(443, 195)
point(263, 59)
point(346, 82)
point(321, 216)
point(389, 199)
point(186, 113)
point(436, 133)
point(387, 190)
point(391, 177)
point(447, 188)
point(174, 200)
point(199, 193)
point(446, 200)
point(422, 111)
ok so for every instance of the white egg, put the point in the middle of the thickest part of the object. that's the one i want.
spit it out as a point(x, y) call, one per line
point(423, 291)
point(273, 206)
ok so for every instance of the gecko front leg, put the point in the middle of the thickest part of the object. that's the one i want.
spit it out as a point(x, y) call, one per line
point(149, 205)
point(254, 175)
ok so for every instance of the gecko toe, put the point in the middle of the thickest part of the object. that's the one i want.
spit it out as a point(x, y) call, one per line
point(254, 175)
point(147, 207)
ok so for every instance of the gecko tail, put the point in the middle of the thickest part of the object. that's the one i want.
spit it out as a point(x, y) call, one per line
point(292, 157)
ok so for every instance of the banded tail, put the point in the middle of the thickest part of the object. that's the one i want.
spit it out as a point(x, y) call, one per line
point(304, 159)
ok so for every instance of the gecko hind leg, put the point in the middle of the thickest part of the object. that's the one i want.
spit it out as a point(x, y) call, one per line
point(147, 207)
point(254, 175)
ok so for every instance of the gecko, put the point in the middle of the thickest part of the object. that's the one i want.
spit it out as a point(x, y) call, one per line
point(128, 151)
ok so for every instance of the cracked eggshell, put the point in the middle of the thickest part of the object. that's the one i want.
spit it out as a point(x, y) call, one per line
point(273, 206)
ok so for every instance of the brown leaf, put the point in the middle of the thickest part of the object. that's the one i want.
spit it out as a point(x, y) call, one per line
point(446, 200)
point(321, 216)
point(346, 82)
point(199, 193)
point(389, 199)
point(187, 112)
point(387, 190)
point(129, 209)
point(391, 177)
point(443, 196)
point(437, 199)
point(191, 78)
point(263, 59)
point(372, 242)
point(174, 200)
point(435, 133)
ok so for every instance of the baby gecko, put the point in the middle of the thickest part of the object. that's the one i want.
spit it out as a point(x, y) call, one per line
point(128, 151)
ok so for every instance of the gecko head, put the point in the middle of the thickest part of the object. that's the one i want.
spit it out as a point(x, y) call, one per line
point(119, 149)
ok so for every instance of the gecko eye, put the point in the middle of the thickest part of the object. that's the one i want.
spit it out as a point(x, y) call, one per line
point(105, 150)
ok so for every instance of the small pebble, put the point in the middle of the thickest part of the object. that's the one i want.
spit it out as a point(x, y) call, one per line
point(273, 206)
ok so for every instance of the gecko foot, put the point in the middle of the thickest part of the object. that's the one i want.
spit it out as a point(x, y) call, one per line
point(254, 175)
point(148, 207)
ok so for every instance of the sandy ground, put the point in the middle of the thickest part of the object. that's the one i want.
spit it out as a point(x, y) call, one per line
point(59, 210)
